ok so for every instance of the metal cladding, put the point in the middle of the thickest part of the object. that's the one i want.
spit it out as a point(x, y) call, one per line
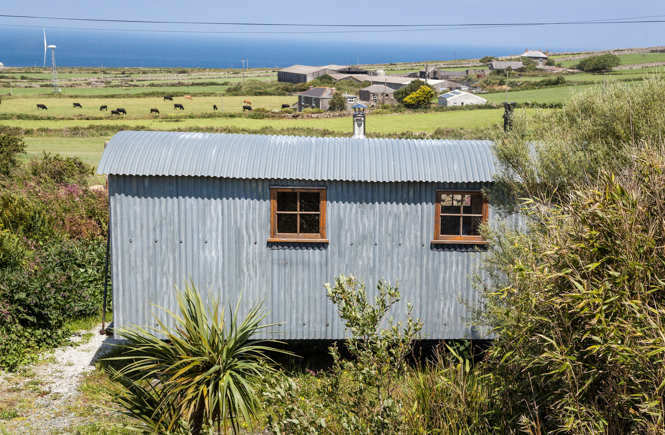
point(196, 208)
point(297, 158)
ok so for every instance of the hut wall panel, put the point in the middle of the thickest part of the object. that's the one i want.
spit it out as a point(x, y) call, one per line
point(168, 230)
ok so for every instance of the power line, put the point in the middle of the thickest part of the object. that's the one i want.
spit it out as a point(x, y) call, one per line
point(625, 20)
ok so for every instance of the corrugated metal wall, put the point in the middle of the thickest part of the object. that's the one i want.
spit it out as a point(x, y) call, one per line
point(166, 230)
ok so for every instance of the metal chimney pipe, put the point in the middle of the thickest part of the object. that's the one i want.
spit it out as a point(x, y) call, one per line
point(359, 121)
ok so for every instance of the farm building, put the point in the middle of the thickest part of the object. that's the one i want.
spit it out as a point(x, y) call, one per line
point(356, 78)
point(459, 98)
point(315, 98)
point(274, 218)
point(377, 94)
point(536, 55)
point(439, 74)
point(304, 74)
point(505, 64)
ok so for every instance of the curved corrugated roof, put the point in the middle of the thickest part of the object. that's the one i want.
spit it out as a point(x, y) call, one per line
point(296, 158)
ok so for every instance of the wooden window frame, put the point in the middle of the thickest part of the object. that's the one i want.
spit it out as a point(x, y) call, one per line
point(298, 238)
point(450, 239)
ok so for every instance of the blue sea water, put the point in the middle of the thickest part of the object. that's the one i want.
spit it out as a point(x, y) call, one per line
point(25, 47)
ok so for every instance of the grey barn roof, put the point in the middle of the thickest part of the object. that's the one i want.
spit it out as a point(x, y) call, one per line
point(296, 158)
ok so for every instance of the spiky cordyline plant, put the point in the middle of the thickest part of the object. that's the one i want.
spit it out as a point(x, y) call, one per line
point(202, 372)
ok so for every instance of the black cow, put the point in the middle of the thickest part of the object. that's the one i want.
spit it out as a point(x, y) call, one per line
point(245, 108)
point(121, 110)
point(286, 106)
point(153, 110)
point(115, 112)
point(178, 106)
point(214, 107)
point(168, 97)
point(103, 108)
point(78, 105)
point(41, 106)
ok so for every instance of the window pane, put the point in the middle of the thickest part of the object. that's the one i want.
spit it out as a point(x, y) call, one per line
point(287, 223)
point(309, 201)
point(470, 226)
point(447, 204)
point(477, 204)
point(466, 204)
point(450, 226)
point(309, 223)
point(287, 201)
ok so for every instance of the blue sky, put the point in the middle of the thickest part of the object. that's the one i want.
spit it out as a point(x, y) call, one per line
point(375, 12)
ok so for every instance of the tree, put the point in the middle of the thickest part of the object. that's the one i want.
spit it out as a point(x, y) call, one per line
point(600, 63)
point(421, 98)
point(10, 148)
point(550, 62)
point(337, 103)
point(412, 87)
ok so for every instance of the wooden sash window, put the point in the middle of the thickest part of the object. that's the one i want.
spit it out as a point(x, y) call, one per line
point(298, 214)
point(459, 216)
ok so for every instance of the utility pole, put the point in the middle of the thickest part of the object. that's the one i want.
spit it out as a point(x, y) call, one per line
point(644, 54)
point(243, 76)
point(506, 85)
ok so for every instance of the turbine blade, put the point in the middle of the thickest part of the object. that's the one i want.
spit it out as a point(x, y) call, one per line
point(44, 46)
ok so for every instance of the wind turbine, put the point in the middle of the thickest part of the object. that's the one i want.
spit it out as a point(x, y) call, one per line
point(54, 71)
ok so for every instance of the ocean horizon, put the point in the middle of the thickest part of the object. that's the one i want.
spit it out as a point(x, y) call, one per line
point(24, 47)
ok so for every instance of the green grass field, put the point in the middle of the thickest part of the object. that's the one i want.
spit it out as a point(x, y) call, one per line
point(136, 106)
point(87, 149)
point(628, 59)
point(428, 122)
point(548, 95)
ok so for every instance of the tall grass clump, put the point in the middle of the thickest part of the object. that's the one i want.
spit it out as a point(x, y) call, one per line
point(204, 371)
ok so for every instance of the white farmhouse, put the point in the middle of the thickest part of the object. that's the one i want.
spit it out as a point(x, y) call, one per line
point(536, 55)
point(460, 98)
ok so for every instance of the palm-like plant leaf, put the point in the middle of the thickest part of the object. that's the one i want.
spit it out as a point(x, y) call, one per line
point(207, 365)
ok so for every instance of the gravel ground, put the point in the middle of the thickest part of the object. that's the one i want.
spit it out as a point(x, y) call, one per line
point(57, 382)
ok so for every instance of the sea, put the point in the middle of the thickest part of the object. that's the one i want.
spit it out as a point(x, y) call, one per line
point(24, 47)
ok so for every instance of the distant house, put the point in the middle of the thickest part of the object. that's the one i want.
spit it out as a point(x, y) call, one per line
point(315, 98)
point(439, 74)
point(304, 74)
point(480, 73)
point(536, 55)
point(356, 78)
point(2, 65)
point(459, 98)
point(504, 64)
point(394, 82)
point(350, 100)
point(377, 94)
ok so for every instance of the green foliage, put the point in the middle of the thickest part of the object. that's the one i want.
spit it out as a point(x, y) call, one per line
point(604, 62)
point(419, 99)
point(361, 395)
point(205, 373)
point(550, 62)
point(10, 148)
point(542, 156)
point(579, 308)
point(487, 59)
point(337, 102)
point(412, 87)
point(56, 282)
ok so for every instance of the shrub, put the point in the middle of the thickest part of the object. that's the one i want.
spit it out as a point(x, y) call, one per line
point(412, 87)
point(205, 374)
point(10, 148)
point(419, 99)
point(604, 62)
point(338, 102)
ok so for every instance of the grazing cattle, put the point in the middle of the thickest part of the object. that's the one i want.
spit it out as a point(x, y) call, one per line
point(245, 108)
point(214, 107)
point(168, 97)
point(115, 112)
point(249, 103)
point(178, 106)
point(153, 110)
point(103, 108)
point(78, 105)
point(285, 106)
point(121, 110)
point(187, 97)
point(41, 106)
